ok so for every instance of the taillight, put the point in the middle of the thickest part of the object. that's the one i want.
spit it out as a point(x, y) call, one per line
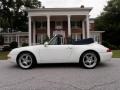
point(109, 50)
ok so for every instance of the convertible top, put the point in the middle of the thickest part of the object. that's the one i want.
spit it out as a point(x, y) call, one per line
point(83, 42)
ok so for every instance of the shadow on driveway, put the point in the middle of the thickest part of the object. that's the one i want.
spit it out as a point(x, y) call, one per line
point(62, 65)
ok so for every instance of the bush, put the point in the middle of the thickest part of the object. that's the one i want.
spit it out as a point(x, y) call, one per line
point(113, 47)
point(119, 47)
point(24, 44)
point(13, 45)
point(1, 40)
point(6, 48)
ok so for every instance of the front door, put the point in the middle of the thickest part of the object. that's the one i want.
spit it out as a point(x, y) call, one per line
point(59, 32)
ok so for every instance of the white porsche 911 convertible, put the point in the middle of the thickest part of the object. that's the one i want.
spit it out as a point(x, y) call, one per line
point(86, 52)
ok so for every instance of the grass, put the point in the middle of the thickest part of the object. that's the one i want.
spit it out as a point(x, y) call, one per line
point(116, 53)
point(3, 55)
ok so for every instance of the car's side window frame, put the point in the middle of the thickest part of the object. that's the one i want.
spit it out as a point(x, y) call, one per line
point(53, 41)
point(57, 40)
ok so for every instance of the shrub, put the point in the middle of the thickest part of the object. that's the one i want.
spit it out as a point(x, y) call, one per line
point(119, 47)
point(24, 44)
point(6, 48)
point(13, 45)
point(1, 40)
point(107, 44)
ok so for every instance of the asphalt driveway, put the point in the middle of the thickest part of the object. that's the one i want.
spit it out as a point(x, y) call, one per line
point(60, 77)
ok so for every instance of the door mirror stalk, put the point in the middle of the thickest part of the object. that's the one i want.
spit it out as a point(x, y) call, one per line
point(46, 44)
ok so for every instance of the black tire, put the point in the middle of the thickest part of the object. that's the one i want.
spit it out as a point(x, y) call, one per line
point(26, 60)
point(89, 59)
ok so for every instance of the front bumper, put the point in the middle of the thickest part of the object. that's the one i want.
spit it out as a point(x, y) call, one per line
point(12, 58)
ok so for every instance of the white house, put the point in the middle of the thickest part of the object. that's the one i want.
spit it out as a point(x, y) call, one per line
point(69, 22)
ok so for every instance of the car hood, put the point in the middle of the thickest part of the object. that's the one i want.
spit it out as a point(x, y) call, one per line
point(27, 48)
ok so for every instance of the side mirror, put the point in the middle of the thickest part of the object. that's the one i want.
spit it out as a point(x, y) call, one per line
point(46, 44)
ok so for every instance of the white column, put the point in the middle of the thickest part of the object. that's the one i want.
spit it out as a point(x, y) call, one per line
point(83, 29)
point(69, 26)
point(18, 40)
point(48, 26)
point(34, 33)
point(88, 26)
point(8, 37)
point(30, 31)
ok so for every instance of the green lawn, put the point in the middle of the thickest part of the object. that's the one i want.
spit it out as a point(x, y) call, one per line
point(3, 55)
point(116, 53)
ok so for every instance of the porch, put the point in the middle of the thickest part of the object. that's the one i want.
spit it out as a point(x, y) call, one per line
point(69, 22)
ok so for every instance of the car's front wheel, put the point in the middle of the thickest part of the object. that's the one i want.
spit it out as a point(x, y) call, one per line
point(89, 60)
point(25, 60)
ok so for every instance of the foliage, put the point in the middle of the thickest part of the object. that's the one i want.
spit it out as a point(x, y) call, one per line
point(109, 21)
point(13, 45)
point(24, 44)
point(13, 13)
point(113, 47)
point(6, 48)
point(1, 40)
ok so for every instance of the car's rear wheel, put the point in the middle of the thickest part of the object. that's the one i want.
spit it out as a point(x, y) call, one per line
point(89, 60)
point(25, 60)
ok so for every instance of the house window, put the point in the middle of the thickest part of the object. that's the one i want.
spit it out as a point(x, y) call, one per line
point(6, 39)
point(13, 38)
point(58, 25)
point(10, 39)
point(76, 36)
point(76, 24)
point(41, 24)
point(96, 37)
point(41, 38)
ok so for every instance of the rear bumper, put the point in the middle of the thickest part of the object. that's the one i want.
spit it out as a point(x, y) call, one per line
point(105, 56)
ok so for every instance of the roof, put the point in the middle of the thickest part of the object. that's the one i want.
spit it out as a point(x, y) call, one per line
point(97, 31)
point(92, 18)
point(13, 33)
point(61, 9)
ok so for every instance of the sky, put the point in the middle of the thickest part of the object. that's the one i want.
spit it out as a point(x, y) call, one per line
point(97, 5)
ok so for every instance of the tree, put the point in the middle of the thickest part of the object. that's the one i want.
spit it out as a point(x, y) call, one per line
point(13, 13)
point(109, 21)
point(1, 40)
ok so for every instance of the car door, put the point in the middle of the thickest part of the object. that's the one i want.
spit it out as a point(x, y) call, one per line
point(55, 53)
